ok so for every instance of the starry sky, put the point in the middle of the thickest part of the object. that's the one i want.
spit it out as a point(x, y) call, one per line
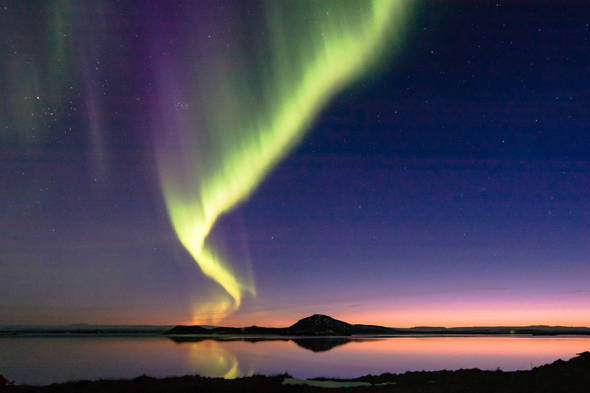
point(446, 184)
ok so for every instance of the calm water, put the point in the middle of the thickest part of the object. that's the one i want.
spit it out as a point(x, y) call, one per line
point(45, 360)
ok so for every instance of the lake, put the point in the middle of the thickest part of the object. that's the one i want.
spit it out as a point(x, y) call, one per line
point(43, 360)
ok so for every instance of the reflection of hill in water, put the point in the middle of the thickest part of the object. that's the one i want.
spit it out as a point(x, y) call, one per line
point(315, 344)
point(320, 344)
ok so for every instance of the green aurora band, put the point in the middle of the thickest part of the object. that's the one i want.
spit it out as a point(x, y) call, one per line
point(254, 106)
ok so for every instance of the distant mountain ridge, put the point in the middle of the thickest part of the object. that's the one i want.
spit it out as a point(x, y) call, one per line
point(314, 325)
point(324, 325)
point(82, 328)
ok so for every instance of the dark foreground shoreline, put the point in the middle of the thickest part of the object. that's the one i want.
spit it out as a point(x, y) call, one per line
point(570, 376)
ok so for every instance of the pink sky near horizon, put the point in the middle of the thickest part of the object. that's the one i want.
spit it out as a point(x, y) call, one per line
point(549, 312)
point(448, 315)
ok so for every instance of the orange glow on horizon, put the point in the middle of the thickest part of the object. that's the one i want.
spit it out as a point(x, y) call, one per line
point(574, 315)
point(403, 314)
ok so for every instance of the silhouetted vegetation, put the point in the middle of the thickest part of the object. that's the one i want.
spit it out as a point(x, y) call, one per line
point(5, 382)
point(572, 376)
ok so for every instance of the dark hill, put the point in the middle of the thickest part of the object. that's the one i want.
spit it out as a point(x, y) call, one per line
point(320, 325)
point(316, 325)
point(323, 325)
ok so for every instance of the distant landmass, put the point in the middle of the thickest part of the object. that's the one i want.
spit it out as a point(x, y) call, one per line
point(323, 325)
point(82, 328)
point(315, 325)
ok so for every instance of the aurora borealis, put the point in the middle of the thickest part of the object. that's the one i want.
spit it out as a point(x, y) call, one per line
point(395, 162)
point(212, 158)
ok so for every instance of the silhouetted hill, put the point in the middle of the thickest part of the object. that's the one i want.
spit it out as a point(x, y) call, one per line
point(315, 325)
point(323, 325)
point(320, 325)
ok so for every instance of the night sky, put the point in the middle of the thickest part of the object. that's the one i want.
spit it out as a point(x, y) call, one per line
point(445, 183)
